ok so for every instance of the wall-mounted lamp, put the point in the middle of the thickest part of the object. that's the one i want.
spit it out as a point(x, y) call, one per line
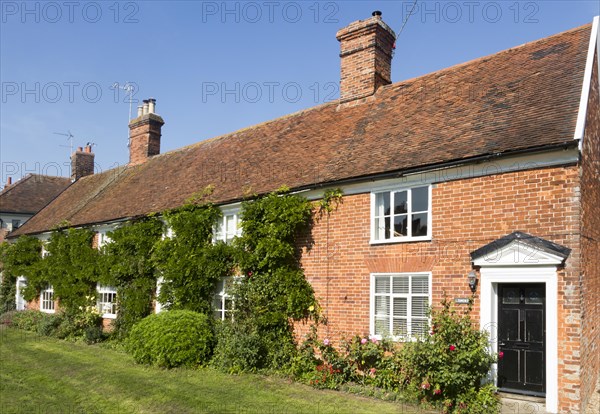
point(472, 278)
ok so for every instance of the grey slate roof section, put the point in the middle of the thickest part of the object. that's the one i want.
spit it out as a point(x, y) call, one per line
point(528, 240)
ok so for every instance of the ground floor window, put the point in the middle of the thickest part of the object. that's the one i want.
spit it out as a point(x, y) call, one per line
point(222, 301)
point(106, 302)
point(399, 305)
point(47, 300)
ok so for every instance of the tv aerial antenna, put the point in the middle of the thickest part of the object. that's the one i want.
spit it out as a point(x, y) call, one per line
point(129, 88)
point(69, 138)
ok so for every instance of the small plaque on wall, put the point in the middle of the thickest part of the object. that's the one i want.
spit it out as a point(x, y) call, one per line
point(461, 301)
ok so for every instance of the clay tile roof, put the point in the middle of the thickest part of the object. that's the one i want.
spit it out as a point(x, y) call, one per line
point(520, 99)
point(30, 194)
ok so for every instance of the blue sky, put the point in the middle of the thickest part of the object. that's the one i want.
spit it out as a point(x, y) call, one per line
point(214, 66)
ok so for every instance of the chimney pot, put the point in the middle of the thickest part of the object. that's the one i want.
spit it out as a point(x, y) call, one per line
point(145, 107)
point(79, 149)
point(88, 149)
point(140, 111)
point(151, 105)
point(8, 181)
point(376, 13)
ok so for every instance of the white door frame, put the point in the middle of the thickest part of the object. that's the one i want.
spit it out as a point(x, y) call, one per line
point(490, 278)
point(20, 302)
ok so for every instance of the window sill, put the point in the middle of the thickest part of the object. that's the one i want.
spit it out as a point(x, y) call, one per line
point(403, 240)
point(109, 316)
point(400, 339)
point(48, 310)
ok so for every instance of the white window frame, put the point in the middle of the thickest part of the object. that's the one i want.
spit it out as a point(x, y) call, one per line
point(409, 237)
point(103, 305)
point(158, 306)
point(20, 302)
point(409, 296)
point(221, 232)
point(44, 301)
point(103, 239)
point(223, 296)
point(44, 250)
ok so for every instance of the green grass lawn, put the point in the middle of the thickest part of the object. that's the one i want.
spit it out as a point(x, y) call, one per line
point(45, 375)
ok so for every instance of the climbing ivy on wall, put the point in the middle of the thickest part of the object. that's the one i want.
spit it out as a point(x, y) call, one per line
point(270, 289)
point(189, 262)
point(17, 259)
point(273, 290)
point(127, 267)
point(71, 267)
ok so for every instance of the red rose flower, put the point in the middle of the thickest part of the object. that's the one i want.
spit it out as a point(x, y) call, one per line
point(500, 355)
point(452, 347)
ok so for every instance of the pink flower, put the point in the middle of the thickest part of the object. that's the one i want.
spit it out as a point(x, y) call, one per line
point(363, 341)
point(326, 342)
point(437, 391)
point(372, 371)
point(426, 385)
point(249, 273)
point(500, 355)
point(431, 332)
point(374, 340)
point(452, 347)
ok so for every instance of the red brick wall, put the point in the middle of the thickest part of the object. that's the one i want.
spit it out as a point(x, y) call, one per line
point(467, 214)
point(590, 244)
point(3, 233)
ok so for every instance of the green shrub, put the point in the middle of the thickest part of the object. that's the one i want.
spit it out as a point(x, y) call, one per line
point(27, 320)
point(447, 367)
point(172, 338)
point(84, 325)
point(7, 318)
point(48, 324)
point(239, 349)
point(34, 321)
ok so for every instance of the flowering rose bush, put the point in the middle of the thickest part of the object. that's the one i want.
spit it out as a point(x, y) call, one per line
point(446, 368)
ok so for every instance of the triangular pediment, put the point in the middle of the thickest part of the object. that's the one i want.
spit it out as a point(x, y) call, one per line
point(520, 249)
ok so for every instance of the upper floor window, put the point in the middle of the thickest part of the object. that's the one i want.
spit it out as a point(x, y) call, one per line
point(228, 227)
point(401, 215)
point(103, 239)
point(16, 224)
point(47, 300)
point(106, 301)
point(399, 305)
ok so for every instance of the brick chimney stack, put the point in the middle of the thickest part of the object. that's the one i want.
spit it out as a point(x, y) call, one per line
point(82, 162)
point(145, 133)
point(366, 48)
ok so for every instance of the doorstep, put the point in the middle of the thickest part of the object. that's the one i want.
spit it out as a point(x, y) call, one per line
point(521, 404)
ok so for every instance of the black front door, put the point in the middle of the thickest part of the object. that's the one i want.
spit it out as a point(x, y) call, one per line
point(522, 338)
